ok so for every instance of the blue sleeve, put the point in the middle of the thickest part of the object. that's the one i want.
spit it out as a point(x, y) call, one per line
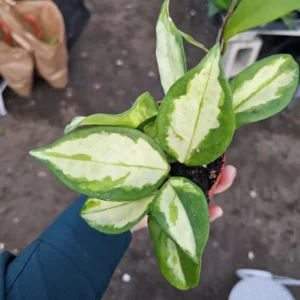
point(69, 260)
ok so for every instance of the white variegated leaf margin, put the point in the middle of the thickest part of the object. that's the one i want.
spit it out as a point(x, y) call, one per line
point(195, 122)
point(264, 88)
point(115, 217)
point(180, 208)
point(144, 108)
point(109, 163)
point(169, 49)
point(178, 268)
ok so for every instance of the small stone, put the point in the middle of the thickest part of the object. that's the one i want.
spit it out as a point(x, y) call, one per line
point(2, 246)
point(148, 253)
point(126, 278)
point(212, 174)
point(84, 54)
point(151, 74)
point(251, 255)
point(15, 251)
point(41, 174)
point(63, 103)
point(193, 12)
point(63, 111)
point(31, 103)
point(111, 103)
point(16, 220)
point(119, 62)
point(9, 170)
point(258, 221)
point(253, 194)
point(215, 244)
point(124, 52)
point(69, 92)
point(97, 86)
point(128, 6)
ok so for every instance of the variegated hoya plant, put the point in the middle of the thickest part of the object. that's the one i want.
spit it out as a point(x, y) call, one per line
point(122, 162)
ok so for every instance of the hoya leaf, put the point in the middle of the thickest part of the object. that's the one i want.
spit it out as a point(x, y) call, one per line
point(288, 21)
point(177, 267)
point(253, 13)
point(180, 208)
point(191, 40)
point(115, 217)
point(264, 88)
point(75, 123)
point(150, 130)
point(195, 122)
point(223, 4)
point(213, 9)
point(109, 163)
point(169, 49)
point(170, 159)
point(144, 108)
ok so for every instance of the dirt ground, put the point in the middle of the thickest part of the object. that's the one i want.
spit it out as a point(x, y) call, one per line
point(112, 64)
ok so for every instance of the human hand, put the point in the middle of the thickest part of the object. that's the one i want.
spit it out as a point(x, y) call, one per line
point(215, 211)
point(224, 183)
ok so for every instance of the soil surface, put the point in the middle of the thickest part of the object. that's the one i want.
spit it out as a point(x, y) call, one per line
point(111, 65)
point(204, 176)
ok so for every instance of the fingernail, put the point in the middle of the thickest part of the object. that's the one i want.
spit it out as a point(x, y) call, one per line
point(233, 171)
point(218, 212)
point(215, 213)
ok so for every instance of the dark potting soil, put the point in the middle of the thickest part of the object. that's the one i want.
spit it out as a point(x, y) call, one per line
point(204, 176)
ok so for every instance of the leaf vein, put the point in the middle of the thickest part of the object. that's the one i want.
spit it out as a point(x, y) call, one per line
point(100, 162)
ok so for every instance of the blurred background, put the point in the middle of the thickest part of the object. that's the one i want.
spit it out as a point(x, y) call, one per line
point(111, 64)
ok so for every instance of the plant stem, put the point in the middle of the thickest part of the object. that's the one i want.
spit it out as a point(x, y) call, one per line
point(229, 14)
point(225, 45)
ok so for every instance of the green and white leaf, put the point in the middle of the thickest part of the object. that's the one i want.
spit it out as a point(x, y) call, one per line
point(177, 267)
point(150, 130)
point(195, 122)
point(288, 21)
point(181, 209)
point(144, 108)
point(115, 217)
point(169, 49)
point(253, 13)
point(264, 88)
point(109, 163)
point(192, 41)
point(213, 9)
point(223, 4)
